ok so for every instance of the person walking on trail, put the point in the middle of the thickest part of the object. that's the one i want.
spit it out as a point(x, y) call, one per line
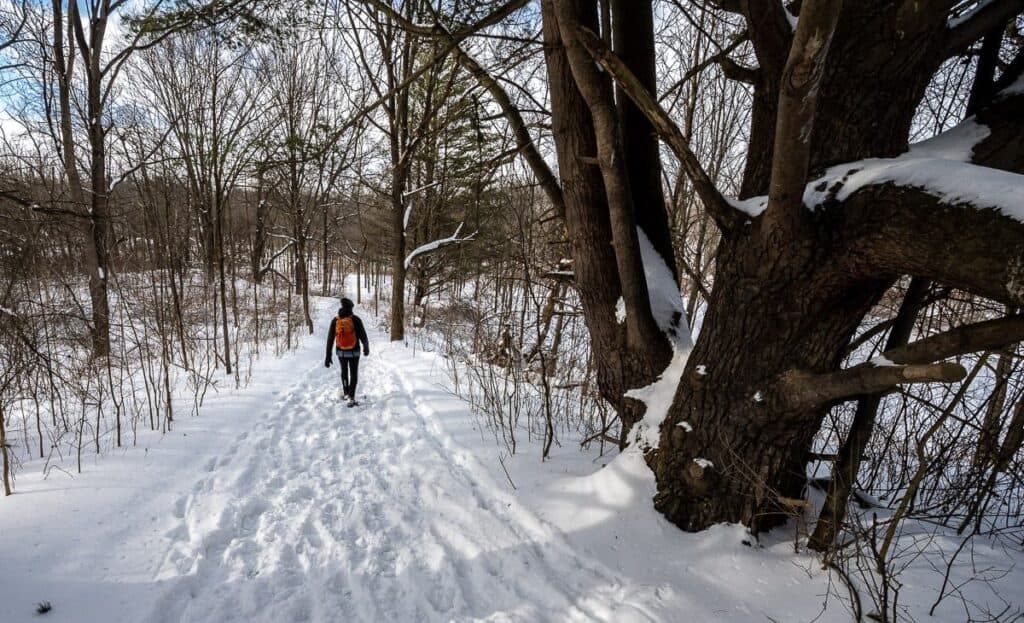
point(346, 334)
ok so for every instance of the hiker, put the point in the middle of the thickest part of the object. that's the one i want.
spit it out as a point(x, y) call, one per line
point(345, 334)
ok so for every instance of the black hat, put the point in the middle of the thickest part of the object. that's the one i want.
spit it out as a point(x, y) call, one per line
point(347, 303)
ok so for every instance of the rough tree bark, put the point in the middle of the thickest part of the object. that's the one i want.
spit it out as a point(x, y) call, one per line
point(792, 302)
point(792, 284)
point(585, 129)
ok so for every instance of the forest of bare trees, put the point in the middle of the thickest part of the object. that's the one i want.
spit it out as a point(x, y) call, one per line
point(565, 197)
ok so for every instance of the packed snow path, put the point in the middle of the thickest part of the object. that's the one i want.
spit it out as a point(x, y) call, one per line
point(279, 504)
point(329, 513)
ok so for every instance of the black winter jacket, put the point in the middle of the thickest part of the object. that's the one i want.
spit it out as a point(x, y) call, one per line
point(360, 335)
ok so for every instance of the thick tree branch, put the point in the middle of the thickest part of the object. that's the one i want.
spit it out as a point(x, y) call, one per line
point(810, 390)
point(929, 214)
point(770, 32)
point(431, 247)
point(720, 210)
point(907, 230)
point(798, 97)
point(737, 72)
point(912, 363)
point(978, 23)
point(971, 338)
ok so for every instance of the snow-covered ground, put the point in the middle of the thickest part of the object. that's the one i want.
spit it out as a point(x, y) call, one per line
point(281, 504)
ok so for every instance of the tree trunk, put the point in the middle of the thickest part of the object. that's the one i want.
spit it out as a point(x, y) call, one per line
point(742, 446)
point(397, 268)
point(633, 35)
point(222, 277)
point(620, 366)
point(259, 241)
point(4, 454)
point(991, 427)
point(98, 256)
point(401, 156)
point(788, 300)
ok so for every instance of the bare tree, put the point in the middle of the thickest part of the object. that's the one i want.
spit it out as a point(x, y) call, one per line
point(212, 105)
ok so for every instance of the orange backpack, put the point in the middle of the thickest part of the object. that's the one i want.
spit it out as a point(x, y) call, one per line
point(345, 333)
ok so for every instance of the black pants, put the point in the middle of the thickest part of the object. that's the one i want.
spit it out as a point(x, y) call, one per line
point(349, 360)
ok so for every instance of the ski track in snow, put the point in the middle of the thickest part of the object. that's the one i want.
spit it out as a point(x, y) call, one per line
point(325, 513)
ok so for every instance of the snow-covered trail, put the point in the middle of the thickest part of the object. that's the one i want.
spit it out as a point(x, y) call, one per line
point(325, 513)
point(280, 504)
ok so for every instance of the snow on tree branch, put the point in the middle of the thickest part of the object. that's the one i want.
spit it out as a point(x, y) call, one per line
point(966, 28)
point(940, 167)
point(405, 219)
point(968, 14)
point(430, 247)
point(269, 265)
point(420, 189)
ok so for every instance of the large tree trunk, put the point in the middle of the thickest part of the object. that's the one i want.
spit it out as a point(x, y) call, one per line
point(742, 447)
point(621, 363)
point(786, 303)
point(851, 452)
point(633, 35)
point(397, 276)
point(791, 284)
